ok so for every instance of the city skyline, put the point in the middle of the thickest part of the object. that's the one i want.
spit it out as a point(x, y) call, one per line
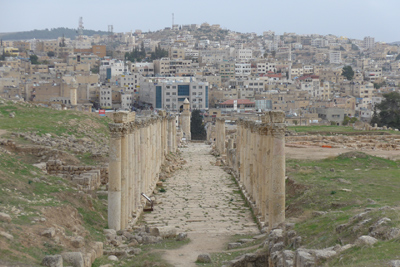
point(354, 19)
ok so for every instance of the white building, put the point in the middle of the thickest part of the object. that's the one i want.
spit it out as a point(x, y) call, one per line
point(369, 42)
point(130, 82)
point(169, 94)
point(109, 68)
point(105, 97)
point(243, 54)
point(242, 70)
point(335, 57)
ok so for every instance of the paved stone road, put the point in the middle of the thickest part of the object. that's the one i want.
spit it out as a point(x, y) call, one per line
point(204, 201)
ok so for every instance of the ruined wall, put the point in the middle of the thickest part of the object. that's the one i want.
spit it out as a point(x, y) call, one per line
point(138, 147)
point(256, 157)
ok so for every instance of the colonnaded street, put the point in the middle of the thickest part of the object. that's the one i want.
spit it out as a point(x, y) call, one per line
point(204, 201)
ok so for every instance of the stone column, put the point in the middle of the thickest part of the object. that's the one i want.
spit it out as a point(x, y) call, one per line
point(223, 148)
point(265, 171)
point(131, 170)
point(174, 131)
point(124, 176)
point(114, 180)
point(247, 156)
point(277, 183)
point(217, 136)
point(241, 150)
point(142, 158)
point(169, 134)
point(138, 168)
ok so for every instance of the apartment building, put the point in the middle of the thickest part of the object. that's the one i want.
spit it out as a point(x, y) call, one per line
point(170, 94)
point(242, 70)
point(176, 53)
point(335, 57)
point(226, 70)
point(143, 68)
point(243, 54)
point(130, 82)
point(74, 59)
point(110, 68)
point(369, 42)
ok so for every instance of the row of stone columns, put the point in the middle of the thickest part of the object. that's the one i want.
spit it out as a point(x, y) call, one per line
point(137, 150)
point(260, 154)
point(220, 136)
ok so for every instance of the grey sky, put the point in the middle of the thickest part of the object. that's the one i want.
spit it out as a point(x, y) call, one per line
point(350, 18)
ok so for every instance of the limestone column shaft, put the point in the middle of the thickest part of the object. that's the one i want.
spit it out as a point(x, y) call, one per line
point(142, 160)
point(242, 152)
point(248, 160)
point(266, 171)
point(131, 171)
point(277, 183)
point(138, 174)
point(114, 180)
point(124, 178)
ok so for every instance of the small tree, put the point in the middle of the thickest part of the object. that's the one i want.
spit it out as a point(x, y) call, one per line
point(389, 114)
point(34, 59)
point(348, 72)
point(197, 129)
point(348, 120)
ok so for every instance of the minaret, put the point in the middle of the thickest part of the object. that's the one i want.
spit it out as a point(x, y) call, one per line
point(185, 120)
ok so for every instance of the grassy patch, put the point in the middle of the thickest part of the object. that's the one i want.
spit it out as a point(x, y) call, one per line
point(327, 129)
point(359, 182)
point(46, 120)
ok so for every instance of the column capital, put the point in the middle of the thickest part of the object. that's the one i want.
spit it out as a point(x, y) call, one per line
point(278, 130)
point(116, 129)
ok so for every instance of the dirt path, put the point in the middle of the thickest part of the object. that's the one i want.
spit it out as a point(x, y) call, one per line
point(202, 200)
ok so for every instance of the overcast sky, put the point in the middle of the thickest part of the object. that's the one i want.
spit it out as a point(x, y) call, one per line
point(350, 18)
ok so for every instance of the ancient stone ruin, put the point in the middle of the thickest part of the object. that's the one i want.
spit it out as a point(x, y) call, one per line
point(138, 148)
point(258, 162)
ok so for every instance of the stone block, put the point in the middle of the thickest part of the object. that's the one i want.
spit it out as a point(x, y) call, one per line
point(53, 261)
point(204, 258)
point(4, 217)
point(73, 258)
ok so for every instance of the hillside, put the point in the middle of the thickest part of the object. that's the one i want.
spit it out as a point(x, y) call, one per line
point(48, 34)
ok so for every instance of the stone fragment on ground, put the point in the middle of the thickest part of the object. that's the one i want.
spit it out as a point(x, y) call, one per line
point(53, 261)
point(4, 217)
point(365, 240)
point(204, 258)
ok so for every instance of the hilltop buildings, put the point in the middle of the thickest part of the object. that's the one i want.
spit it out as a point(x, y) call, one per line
point(211, 67)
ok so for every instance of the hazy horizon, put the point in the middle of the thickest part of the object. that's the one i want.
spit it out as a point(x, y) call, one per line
point(354, 19)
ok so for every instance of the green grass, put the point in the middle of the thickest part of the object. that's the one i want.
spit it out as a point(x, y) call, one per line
point(378, 255)
point(369, 178)
point(151, 254)
point(331, 129)
point(46, 120)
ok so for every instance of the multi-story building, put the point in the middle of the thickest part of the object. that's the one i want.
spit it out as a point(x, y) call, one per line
point(176, 53)
point(130, 82)
point(242, 70)
point(243, 54)
point(145, 69)
point(226, 70)
point(169, 68)
point(335, 57)
point(369, 42)
point(110, 68)
point(170, 94)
